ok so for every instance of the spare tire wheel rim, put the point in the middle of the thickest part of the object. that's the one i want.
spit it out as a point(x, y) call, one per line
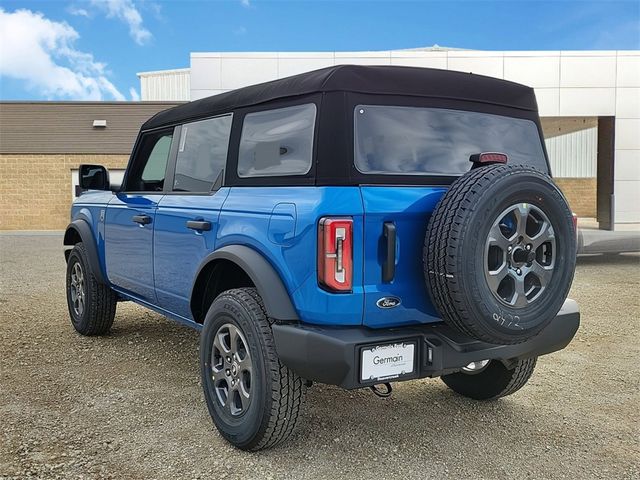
point(520, 255)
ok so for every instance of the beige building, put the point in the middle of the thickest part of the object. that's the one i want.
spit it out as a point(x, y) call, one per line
point(589, 103)
point(42, 144)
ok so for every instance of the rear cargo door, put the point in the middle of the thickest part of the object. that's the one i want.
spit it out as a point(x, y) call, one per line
point(395, 223)
point(403, 148)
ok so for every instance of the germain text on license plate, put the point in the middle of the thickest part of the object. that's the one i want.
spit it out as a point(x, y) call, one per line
point(384, 362)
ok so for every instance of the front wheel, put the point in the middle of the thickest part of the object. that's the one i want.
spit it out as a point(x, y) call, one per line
point(490, 379)
point(253, 399)
point(92, 305)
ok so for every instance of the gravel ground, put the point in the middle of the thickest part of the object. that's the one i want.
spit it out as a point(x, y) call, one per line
point(129, 405)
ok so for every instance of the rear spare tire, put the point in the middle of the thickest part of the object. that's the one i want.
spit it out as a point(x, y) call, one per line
point(499, 253)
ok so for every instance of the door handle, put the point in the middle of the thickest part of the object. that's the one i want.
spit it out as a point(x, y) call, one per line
point(199, 225)
point(142, 219)
point(389, 265)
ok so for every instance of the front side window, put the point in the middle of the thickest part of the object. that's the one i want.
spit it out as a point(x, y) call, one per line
point(277, 142)
point(202, 154)
point(434, 141)
point(150, 164)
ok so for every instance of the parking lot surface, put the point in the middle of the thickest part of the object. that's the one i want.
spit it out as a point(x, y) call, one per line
point(130, 405)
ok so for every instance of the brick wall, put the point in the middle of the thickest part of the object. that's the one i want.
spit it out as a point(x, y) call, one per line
point(581, 194)
point(35, 190)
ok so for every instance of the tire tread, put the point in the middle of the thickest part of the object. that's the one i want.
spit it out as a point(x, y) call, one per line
point(287, 389)
point(521, 374)
point(102, 300)
point(447, 227)
point(495, 382)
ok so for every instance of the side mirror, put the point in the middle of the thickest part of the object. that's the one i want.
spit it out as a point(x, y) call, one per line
point(93, 177)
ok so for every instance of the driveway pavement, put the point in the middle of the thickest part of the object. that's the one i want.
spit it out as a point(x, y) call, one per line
point(129, 405)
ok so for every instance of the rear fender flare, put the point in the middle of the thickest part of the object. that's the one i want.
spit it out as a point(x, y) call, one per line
point(267, 281)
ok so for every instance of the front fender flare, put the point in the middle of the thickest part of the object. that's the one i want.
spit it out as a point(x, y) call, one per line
point(267, 281)
point(83, 229)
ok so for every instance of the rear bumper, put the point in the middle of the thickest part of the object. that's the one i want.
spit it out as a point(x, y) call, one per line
point(332, 354)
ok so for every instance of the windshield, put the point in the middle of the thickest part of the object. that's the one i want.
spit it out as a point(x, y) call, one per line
point(435, 141)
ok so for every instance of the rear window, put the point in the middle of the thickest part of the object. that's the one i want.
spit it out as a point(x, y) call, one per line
point(277, 142)
point(417, 141)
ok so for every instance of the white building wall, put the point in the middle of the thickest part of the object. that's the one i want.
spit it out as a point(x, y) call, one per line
point(627, 137)
point(574, 154)
point(567, 84)
point(165, 85)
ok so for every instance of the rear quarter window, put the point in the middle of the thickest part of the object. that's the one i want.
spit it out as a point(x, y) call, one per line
point(397, 140)
point(277, 142)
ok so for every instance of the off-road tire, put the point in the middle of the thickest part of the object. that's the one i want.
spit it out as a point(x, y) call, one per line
point(100, 300)
point(493, 382)
point(277, 393)
point(454, 252)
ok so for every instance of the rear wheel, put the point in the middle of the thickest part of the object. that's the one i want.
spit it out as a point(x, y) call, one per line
point(490, 379)
point(254, 400)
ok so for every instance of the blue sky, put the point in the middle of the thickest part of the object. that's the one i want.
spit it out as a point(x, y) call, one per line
point(92, 49)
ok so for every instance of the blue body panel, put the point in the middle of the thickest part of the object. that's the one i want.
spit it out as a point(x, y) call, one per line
point(409, 209)
point(89, 207)
point(261, 218)
point(156, 264)
point(129, 245)
point(180, 250)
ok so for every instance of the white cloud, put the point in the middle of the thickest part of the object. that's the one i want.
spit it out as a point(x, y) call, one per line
point(126, 11)
point(41, 52)
point(245, 3)
point(77, 11)
point(135, 96)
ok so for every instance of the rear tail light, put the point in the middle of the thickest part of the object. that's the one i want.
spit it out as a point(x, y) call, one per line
point(335, 254)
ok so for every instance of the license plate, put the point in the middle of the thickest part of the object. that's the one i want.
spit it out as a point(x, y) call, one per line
point(384, 362)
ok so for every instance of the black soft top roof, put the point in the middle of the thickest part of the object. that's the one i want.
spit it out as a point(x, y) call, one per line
point(385, 80)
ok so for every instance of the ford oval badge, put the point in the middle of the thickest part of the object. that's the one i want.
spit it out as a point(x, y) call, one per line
point(388, 302)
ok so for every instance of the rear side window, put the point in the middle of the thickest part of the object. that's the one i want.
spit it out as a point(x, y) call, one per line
point(434, 141)
point(277, 142)
point(202, 154)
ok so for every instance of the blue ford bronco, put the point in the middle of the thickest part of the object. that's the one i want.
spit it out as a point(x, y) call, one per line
point(353, 226)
